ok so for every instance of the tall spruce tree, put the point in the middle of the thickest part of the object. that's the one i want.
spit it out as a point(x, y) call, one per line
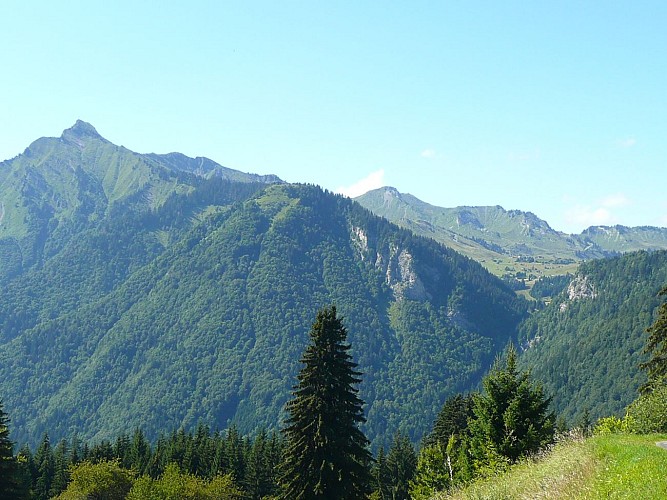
point(326, 455)
point(401, 466)
point(656, 347)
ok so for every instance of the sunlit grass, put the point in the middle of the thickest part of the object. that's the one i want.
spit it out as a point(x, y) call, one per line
point(615, 466)
point(631, 467)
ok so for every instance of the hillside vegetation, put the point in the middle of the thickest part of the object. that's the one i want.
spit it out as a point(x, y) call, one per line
point(609, 466)
point(586, 345)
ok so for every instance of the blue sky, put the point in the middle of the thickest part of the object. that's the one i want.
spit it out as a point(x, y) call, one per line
point(559, 108)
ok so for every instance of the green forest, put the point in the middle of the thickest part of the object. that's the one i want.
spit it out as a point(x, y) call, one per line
point(321, 451)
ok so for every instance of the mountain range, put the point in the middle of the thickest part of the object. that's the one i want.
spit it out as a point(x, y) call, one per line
point(510, 243)
point(158, 291)
point(161, 291)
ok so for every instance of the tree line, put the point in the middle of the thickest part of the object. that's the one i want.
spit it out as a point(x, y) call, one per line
point(321, 452)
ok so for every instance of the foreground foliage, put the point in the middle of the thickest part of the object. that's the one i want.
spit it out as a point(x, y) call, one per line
point(216, 460)
point(104, 479)
point(612, 466)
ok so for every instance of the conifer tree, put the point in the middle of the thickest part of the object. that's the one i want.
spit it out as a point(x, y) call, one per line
point(8, 465)
point(45, 464)
point(401, 466)
point(656, 347)
point(326, 455)
point(258, 481)
point(61, 472)
point(380, 476)
point(512, 417)
point(452, 420)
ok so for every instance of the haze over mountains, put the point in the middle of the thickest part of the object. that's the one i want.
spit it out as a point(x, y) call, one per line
point(161, 291)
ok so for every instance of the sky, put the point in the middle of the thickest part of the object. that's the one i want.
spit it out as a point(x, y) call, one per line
point(557, 108)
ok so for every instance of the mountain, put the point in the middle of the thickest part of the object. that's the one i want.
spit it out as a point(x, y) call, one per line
point(587, 343)
point(510, 243)
point(163, 292)
point(60, 185)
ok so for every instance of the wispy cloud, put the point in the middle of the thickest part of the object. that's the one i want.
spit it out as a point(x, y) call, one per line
point(615, 200)
point(524, 155)
point(428, 153)
point(374, 180)
point(585, 216)
point(628, 142)
point(601, 213)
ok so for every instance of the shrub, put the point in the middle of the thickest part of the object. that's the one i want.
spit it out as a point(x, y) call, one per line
point(609, 425)
point(648, 413)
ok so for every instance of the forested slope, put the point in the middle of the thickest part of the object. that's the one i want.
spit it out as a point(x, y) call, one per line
point(211, 328)
point(586, 345)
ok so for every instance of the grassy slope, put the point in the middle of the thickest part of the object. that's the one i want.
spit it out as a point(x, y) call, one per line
point(615, 466)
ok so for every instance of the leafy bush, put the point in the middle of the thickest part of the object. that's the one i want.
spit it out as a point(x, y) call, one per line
point(609, 425)
point(101, 480)
point(177, 485)
point(648, 413)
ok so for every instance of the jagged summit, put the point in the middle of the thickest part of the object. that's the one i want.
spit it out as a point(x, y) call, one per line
point(80, 131)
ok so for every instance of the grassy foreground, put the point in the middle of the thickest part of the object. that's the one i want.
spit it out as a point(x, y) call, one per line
point(612, 466)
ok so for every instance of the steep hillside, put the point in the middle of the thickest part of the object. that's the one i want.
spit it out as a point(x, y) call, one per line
point(586, 345)
point(212, 328)
point(60, 186)
point(512, 243)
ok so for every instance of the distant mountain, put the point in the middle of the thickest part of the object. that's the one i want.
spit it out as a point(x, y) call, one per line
point(60, 185)
point(159, 294)
point(587, 343)
point(208, 168)
point(509, 243)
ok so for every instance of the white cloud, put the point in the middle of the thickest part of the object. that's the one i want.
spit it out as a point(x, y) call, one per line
point(374, 180)
point(586, 216)
point(428, 153)
point(615, 200)
point(601, 213)
point(627, 142)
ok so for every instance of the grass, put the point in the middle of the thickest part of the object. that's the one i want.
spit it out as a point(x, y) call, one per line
point(612, 466)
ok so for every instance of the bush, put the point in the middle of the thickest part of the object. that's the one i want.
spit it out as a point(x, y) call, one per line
point(609, 425)
point(106, 480)
point(648, 413)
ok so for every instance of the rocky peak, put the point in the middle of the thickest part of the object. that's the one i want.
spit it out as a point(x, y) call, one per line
point(81, 132)
point(390, 193)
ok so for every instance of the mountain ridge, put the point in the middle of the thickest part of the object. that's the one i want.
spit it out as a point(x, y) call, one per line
point(62, 184)
point(511, 243)
point(160, 298)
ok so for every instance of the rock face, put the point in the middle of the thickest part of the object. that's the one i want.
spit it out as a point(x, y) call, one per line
point(581, 287)
point(402, 278)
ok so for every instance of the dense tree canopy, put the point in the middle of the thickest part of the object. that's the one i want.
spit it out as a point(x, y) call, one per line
point(587, 344)
point(656, 348)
